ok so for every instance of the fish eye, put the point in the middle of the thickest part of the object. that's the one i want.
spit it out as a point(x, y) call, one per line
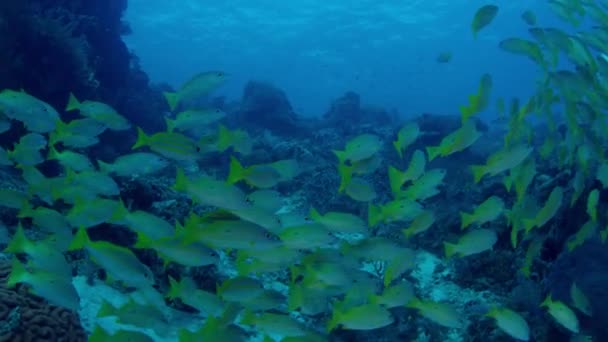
point(219, 74)
point(198, 149)
point(213, 254)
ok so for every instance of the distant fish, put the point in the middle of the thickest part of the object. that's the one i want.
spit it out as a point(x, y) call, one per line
point(444, 57)
point(37, 115)
point(483, 17)
point(99, 111)
point(199, 85)
point(529, 17)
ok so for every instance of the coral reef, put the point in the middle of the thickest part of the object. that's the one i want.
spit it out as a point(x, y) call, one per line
point(266, 106)
point(24, 317)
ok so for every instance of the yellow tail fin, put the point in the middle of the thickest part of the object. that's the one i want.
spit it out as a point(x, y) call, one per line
point(73, 103)
point(172, 99)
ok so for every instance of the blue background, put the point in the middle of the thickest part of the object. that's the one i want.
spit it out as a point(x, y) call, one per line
point(316, 50)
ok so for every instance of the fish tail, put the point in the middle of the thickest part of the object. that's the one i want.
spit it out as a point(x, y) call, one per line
point(104, 167)
point(374, 215)
point(172, 99)
point(314, 214)
point(181, 182)
point(346, 175)
point(224, 140)
point(26, 210)
point(478, 172)
point(450, 249)
point(465, 220)
point(514, 236)
point(19, 242)
point(397, 145)
point(142, 139)
point(175, 288)
point(120, 213)
point(18, 274)
point(53, 154)
point(170, 124)
point(432, 152)
point(73, 103)
point(106, 309)
point(236, 172)
point(341, 155)
point(395, 178)
point(81, 239)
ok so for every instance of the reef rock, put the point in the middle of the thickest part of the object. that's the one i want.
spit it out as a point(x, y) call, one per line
point(266, 106)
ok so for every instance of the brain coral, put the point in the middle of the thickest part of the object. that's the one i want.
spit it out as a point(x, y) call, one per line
point(27, 318)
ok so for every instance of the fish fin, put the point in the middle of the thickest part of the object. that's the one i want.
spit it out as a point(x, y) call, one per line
point(236, 172)
point(80, 240)
point(53, 154)
point(478, 172)
point(172, 99)
point(224, 139)
point(19, 242)
point(73, 103)
point(18, 273)
point(465, 220)
point(181, 181)
point(432, 152)
point(374, 215)
point(346, 175)
point(450, 249)
point(398, 148)
point(104, 167)
point(170, 124)
point(142, 139)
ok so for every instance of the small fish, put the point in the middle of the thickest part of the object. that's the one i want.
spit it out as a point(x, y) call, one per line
point(511, 322)
point(27, 151)
point(360, 190)
point(267, 200)
point(209, 304)
point(37, 115)
point(142, 222)
point(444, 57)
point(548, 211)
point(394, 296)
point(533, 251)
point(502, 160)
point(456, 141)
point(239, 289)
point(229, 234)
point(441, 313)
point(562, 314)
point(424, 187)
point(580, 300)
point(56, 288)
point(100, 335)
point(592, 201)
point(274, 324)
point(194, 118)
point(398, 210)
point(120, 262)
point(525, 48)
point(415, 170)
point(421, 223)
point(529, 17)
point(13, 199)
point(406, 136)
point(473, 242)
point(71, 160)
point(209, 191)
point(307, 236)
point(171, 145)
point(260, 176)
point(99, 111)
point(134, 164)
point(364, 317)
point(359, 148)
point(586, 232)
point(488, 210)
point(338, 222)
point(478, 102)
point(238, 139)
point(483, 17)
point(199, 85)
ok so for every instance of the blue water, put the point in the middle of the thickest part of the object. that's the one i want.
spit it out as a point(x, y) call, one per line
point(316, 50)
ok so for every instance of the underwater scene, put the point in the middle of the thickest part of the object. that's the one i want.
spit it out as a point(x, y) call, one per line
point(303, 170)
